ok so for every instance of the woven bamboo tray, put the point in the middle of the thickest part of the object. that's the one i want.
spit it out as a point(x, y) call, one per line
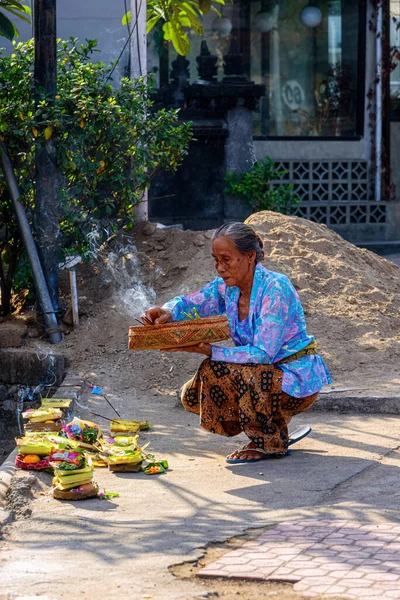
point(178, 334)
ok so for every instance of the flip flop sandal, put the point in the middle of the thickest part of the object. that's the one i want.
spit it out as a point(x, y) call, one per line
point(299, 434)
point(295, 437)
point(265, 455)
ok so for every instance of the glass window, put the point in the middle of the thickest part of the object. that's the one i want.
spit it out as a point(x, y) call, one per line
point(309, 62)
point(306, 53)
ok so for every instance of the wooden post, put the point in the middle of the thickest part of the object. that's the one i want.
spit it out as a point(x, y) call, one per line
point(70, 263)
point(74, 297)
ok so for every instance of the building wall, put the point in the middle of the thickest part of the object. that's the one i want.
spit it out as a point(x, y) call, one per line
point(101, 20)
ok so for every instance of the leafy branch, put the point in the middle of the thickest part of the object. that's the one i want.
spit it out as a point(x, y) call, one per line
point(177, 16)
point(109, 143)
point(8, 29)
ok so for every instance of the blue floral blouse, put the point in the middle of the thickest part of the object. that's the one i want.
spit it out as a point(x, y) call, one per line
point(274, 329)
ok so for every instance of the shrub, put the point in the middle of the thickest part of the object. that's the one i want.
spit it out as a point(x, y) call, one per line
point(256, 187)
point(109, 143)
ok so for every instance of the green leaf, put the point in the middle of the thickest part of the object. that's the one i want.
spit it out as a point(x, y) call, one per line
point(107, 495)
point(191, 7)
point(6, 27)
point(151, 22)
point(195, 23)
point(167, 29)
point(183, 20)
point(17, 13)
point(178, 37)
point(180, 42)
point(14, 3)
point(205, 6)
point(214, 10)
point(126, 19)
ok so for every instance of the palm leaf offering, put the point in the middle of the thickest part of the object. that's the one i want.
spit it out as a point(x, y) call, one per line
point(35, 446)
point(35, 449)
point(118, 426)
point(56, 402)
point(122, 453)
point(42, 419)
point(73, 454)
point(86, 433)
point(155, 468)
point(98, 460)
point(178, 334)
point(73, 476)
point(42, 415)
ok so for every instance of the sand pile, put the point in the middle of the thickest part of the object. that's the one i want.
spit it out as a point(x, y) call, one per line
point(351, 299)
point(351, 296)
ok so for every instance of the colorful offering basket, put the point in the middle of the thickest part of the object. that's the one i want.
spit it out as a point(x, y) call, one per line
point(26, 462)
point(84, 432)
point(178, 334)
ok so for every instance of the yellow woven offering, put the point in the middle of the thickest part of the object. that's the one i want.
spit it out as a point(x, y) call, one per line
point(42, 415)
point(178, 334)
point(56, 402)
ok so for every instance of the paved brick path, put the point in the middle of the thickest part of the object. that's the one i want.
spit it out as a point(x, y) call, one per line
point(350, 559)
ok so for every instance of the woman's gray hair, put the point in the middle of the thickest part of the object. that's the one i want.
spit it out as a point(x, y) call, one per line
point(243, 236)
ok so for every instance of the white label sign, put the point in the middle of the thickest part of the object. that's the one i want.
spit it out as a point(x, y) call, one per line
point(293, 94)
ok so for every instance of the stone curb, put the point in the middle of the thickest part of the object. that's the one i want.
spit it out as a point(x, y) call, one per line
point(7, 470)
point(385, 404)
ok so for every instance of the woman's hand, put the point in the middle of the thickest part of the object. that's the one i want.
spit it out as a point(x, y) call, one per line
point(156, 316)
point(199, 349)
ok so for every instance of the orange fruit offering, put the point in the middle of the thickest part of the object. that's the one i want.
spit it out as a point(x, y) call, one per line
point(32, 459)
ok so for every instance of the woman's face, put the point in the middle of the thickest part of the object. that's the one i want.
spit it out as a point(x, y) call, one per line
point(234, 267)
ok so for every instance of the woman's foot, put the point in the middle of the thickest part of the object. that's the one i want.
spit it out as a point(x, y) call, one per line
point(248, 452)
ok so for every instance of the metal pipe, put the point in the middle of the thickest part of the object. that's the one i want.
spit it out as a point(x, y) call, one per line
point(139, 69)
point(379, 102)
point(50, 319)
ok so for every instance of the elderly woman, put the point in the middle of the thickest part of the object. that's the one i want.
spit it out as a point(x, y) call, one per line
point(273, 372)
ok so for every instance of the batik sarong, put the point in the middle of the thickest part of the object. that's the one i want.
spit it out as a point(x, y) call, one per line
point(233, 398)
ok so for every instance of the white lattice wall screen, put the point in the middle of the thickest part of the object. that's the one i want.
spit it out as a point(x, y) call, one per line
point(333, 192)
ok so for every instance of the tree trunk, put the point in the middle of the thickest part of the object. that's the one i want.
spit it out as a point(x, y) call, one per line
point(7, 278)
point(46, 216)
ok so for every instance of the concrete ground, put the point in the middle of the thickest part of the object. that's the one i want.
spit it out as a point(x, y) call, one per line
point(122, 549)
